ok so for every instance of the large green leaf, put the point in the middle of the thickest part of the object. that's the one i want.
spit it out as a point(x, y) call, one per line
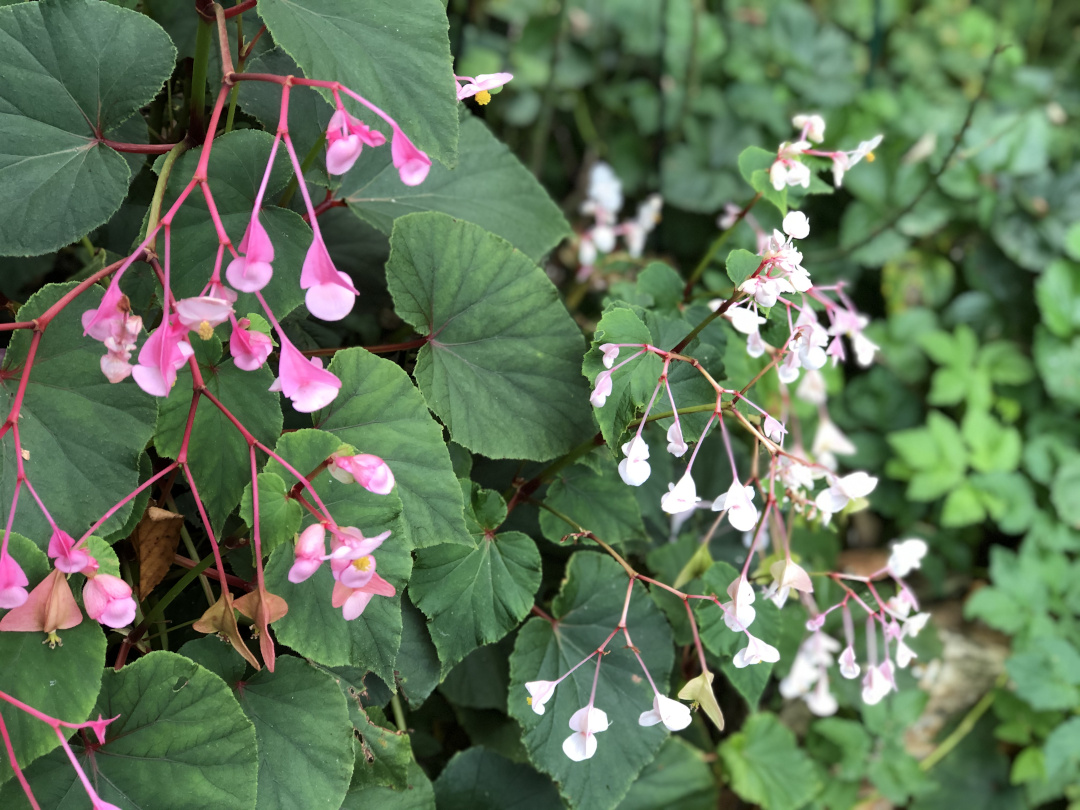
point(767, 767)
point(181, 741)
point(83, 434)
point(478, 779)
point(475, 596)
point(382, 754)
point(313, 627)
point(593, 494)
point(305, 737)
point(237, 162)
point(74, 71)
point(500, 367)
point(678, 777)
point(417, 794)
point(489, 187)
point(62, 682)
point(379, 410)
point(396, 55)
point(586, 610)
point(218, 456)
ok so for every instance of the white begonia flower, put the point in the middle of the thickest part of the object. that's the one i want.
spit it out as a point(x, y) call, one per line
point(796, 225)
point(739, 613)
point(744, 320)
point(674, 715)
point(677, 446)
point(603, 236)
point(738, 501)
point(821, 701)
point(875, 686)
point(830, 442)
point(904, 654)
point(755, 345)
point(906, 556)
point(915, 624)
point(864, 150)
point(635, 469)
point(681, 496)
point(765, 289)
point(812, 388)
point(849, 667)
point(843, 491)
point(540, 692)
point(586, 723)
point(813, 124)
point(635, 231)
point(773, 429)
point(788, 370)
point(601, 389)
point(587, 254)
point(755, 652)
point(605, 190)
point(611, 354)
point(789, 574)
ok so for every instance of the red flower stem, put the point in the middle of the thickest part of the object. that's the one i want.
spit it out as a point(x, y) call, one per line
point(233, 580)
point(138, 148)
point(237, 10)
point(10, 519)
point(255, 520)
point(383, 348)
point(29, 486)
point(697, 637)
point(8, 327)
point(222, 576)
point(112, 509)
point(15, 766)
point(94, 798)
point(20, 393)
point(325, 206)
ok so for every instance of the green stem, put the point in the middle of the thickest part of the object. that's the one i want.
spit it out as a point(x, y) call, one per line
point(235, 92)
point(194, 554)
point(547, 109)
point(399, 713)
point(204, 39)
point(965, 727)
point(305, 164)
point(714, 248)
point(159, 189)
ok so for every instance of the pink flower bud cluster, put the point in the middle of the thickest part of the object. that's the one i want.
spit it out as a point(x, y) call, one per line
point(351, 556)
point(603, 203)
point(330, 293)
point(51, 606)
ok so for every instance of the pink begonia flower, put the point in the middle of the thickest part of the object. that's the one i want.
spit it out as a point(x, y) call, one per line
point(412, 164)
point(849, 667)
point(843, 491)
point(303, 380)
point(634, 469)
point(674, 715)
point(611, 354)
point(586, 723)
point(370, 472)
point(677, 445)
point(309, 553)
point(681, 496)
point(330, 293)
point(49, 607)
point(540, 692)
point(163, 354)
point(480, 86)
point(252, 271)
point(114, 308)
point(116, 362)
point(349, 543)
point(249, 347)
point(68, 559)
point(353, 601)
point(739, 613)
point(813, 125)
point(13, 583)
point(353, 573)
point(345, 138)
point(906, 556)
point(738, 501)
point(203, 313)
point(755, 652)
point(601, 389)
point(108, 600)
point(215, 289)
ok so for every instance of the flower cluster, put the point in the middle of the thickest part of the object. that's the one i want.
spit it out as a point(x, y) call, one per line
point(808, 677)
point(603, 202)
point(330, 293)
point(351, 556)
point(788, 170)
point(51, 606)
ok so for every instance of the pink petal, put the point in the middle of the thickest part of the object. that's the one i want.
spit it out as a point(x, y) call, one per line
point(342, 154)
point(412, 164)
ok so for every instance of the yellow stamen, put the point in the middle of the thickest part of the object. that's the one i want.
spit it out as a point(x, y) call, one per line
point(870, 157)
point(206, 331)
point(53, 640)
point(528, 700)
point(483, 97)
point(363, 564)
